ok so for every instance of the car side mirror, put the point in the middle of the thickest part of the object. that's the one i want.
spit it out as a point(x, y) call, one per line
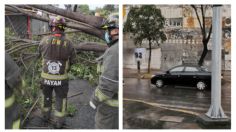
point(167, 72)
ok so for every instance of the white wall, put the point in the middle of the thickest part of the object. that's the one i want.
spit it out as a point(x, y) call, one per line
point(130, 62)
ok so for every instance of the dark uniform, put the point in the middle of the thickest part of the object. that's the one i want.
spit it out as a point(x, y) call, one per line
point(12, 82)
point(58, 54)
point(106, 93)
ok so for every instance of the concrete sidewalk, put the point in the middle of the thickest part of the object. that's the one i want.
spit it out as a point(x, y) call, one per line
point(133, 73)
point(138, 115)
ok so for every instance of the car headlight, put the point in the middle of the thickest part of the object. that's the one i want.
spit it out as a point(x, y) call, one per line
point(153, 75)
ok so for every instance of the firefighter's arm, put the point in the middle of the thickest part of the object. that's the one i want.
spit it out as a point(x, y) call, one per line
point(108, 83)
point(12, 72)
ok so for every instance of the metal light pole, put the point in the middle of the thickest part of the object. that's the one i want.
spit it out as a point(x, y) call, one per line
point(215, 111)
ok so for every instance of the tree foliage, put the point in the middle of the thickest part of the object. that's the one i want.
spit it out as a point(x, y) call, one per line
point(146, 23)
point(110, 8)
point(84, 9)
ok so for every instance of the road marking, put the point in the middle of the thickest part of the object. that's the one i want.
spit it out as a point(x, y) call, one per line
point(163, 106)
point(183, 109)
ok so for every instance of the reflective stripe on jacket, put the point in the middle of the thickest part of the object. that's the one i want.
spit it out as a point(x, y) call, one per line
point(105, 99)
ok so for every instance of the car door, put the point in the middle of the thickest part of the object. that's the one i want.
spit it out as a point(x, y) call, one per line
point(175, 75)
point(189, 76)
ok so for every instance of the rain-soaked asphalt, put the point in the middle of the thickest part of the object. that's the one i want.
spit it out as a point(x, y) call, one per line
point(175, 96)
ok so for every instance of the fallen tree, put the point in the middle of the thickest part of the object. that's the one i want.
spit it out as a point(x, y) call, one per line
point(86, 29)
point(84, 46)
point(91, 20)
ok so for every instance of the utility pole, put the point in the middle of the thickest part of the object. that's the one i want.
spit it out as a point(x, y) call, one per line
point(215, 117)
point(216, 110)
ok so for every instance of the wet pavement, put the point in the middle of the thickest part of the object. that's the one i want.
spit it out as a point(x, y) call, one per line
point(83, 117)
point(175, 96)
point(142, 116)
point(178, 98)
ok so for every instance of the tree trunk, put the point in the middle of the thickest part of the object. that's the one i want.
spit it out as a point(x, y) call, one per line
point(138, 66)
point(89, 30)
point(83, 46)
point(149, 58)
point(91, 46)
point(91, 20)
point(204, 53)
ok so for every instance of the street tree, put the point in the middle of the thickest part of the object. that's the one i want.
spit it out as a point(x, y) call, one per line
point(110, 8)
point(146, 23)
point(205, 30)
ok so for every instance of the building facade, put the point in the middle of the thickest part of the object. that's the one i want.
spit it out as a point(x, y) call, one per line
point(184, 39)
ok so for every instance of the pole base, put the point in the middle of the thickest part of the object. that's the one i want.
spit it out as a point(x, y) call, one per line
point(210, 123)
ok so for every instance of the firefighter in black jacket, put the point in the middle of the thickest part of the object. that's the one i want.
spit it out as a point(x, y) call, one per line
point(12, 82)
point(57, 55)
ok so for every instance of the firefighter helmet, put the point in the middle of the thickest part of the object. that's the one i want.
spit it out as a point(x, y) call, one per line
point(111, 22)
point(58, 22)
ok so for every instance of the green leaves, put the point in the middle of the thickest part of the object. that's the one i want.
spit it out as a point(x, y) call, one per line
point(145, 23)
point(71, 110)
point(85, 69)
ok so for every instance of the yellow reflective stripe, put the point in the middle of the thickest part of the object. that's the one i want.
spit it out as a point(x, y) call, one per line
point(101, 97)
point(112, 102)
point(102, 68)
point(16, 124)
point(106, 99)
point(63, 111)
point(9, 101)
point(64, 105)
point(54, 77)
point(59, 114)
point(99, 68)
point(44, 109)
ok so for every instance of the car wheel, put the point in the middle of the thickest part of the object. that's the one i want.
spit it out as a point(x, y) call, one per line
point(201, 85)
point(159, 83)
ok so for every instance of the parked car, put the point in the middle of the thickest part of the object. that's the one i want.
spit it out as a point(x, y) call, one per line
point(184, 75)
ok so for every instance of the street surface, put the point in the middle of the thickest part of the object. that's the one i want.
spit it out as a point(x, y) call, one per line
point(187, 98)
